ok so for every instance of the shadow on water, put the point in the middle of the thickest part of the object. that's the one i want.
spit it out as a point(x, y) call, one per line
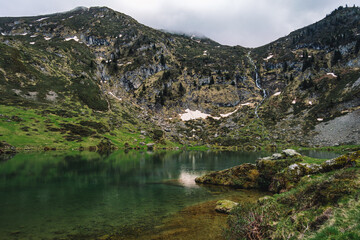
point(85, 195)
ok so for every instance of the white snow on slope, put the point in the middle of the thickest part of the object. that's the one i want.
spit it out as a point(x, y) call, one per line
point(41, 19)
point(32, 43)
point(75, 38)
point(269, 57)
point(47, 38)
point(331, 74)
point(190, 115)
point(115, 96)
point(228, 114)
point(277, 94)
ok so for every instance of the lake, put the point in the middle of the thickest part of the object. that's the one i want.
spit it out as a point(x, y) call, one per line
point(85, 195)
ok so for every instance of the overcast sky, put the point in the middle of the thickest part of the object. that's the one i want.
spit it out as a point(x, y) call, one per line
point(248, 23)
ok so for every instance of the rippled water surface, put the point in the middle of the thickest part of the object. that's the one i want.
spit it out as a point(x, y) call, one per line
point(84, 195)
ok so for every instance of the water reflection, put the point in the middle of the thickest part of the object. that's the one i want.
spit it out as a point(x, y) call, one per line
point(187, 179)
point(62, 195)
point(320, 154)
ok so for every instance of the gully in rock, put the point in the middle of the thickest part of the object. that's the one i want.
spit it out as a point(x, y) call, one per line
point(257, 83)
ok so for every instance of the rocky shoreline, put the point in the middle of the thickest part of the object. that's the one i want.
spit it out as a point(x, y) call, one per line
point(277, 173)
point(314, 198)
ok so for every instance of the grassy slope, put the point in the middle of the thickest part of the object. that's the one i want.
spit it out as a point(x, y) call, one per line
point(322, 206)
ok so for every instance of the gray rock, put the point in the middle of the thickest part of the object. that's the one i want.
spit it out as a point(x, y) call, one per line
point(225, 206)
point(291, 153)
point(276, 156)
point(150, 146)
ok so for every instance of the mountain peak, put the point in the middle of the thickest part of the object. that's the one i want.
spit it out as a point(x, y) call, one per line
point(80, 8)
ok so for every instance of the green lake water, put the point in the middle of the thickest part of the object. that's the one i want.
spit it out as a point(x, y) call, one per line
point(84, 195)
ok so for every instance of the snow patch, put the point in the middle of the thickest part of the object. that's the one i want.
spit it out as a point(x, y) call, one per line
point(331, 74)
point(23, 34)
point(110, 93)
point(293, 102)
point(277, 94)
point(41, 19)
point(228, 114)
point(310, 103)
point(75, 38)
point(269, 57)
point(32, 43)
point(245, 104)
point(205, 53)
point(190, 115)
point(33, 36)
point(47, 38)
point(3, 34)
point(320, 119)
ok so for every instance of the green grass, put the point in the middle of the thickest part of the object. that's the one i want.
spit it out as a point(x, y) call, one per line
point(344, 224)
point(33, 130)
point(311, 160)
point(322, 206)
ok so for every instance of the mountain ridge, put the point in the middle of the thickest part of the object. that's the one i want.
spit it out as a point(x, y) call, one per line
point(102, 60)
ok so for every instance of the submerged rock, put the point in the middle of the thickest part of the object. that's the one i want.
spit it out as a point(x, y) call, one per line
point(225, 206)
point(242, 176)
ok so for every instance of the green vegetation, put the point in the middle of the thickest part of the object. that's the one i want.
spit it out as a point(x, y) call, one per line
point(321, 206)
point(127, 78)
point(60, 129)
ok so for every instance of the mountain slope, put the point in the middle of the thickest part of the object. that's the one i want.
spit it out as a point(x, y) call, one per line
point(102, 65)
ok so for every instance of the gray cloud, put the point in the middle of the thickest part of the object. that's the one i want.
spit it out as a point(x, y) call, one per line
point(233, 22)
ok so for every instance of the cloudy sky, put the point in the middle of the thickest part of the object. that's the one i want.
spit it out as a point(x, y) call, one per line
point(247, 23)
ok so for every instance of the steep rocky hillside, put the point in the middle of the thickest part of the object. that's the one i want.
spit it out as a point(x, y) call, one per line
point(90, 76)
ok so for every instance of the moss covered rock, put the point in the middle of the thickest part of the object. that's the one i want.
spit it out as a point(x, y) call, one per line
point(268, 168)
point(225, 206)
point(291, 175)
point(347, 160)
point(243, 176)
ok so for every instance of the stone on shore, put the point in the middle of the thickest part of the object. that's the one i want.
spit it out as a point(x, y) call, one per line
point(242, 176)
point(225, 206)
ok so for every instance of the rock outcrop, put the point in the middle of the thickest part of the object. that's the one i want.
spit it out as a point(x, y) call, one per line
point(242, 176)
point(277, 173)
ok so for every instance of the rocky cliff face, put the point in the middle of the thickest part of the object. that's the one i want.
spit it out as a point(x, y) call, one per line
point(105, 60)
